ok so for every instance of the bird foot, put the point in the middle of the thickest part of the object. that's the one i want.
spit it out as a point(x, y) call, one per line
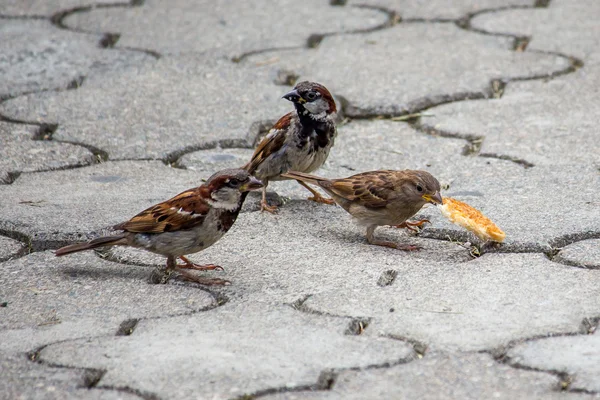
point(202, 281)
point(264, 206)
point(190, 265)
point(411, 225)
point(321, 199)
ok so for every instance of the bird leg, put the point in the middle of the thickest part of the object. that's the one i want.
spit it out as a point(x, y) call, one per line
point(264, 206)
point(190, 265)
point(410, 225)
point(164, 276)
point(371, 239)
point(316, 197)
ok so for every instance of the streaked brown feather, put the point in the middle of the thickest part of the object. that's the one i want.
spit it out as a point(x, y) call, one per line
point(372, 189)
point(270, 144)
point(167, 217)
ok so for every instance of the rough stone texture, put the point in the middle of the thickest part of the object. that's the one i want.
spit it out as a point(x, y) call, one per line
point(42, 290)
point(151, 111)
point(295, 268)
point(312, 306)
point(105, 194)
point(45, 8)
point(180, 26)
point(211, 359)
point(576, 355)
point(471, 306)
point(10, 248)
point(585, 253)
point(415, 48)
point(38, 56)
point(23, 379)
point(441, 9)
point(19, 152)
point(579, 31)
point(542, 123)
point(532, 215)
point(440, 376)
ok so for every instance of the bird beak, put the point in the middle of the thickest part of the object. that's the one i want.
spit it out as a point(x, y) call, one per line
point(252, 184)
point(294, 97)
point(435, 199)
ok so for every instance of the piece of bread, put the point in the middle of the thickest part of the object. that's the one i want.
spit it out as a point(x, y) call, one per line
point(471, 219)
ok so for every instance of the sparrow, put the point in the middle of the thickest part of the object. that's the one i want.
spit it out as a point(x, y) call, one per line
point(185, 224)
point(377, 198)
point(299, 141)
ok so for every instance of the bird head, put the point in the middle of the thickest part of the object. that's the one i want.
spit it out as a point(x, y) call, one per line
point(313, 99)
point(422, 187)
point(225, 188)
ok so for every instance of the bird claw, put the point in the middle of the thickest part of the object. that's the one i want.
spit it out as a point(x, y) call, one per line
point(321, 199)
point(264, 206)
point(198, 267)
point(411, 225)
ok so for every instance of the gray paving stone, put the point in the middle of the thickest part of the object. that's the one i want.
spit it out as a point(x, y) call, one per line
point(536, 207)
point(585, 253)
point(38, 56)
point(535, 216)
point(576, 355)
point(308, 249)
point(27, 8)
point(204, 356)
point(20, 153)
point(472, 306)
point(153, 110)
point(23, 379)
point(406, 69)
point(576, 20)
point(440, 376)
point(42, 289)
point(89, 200)
point(546, 123)
point(10, 248)
point(441, 9)
point(225, 27)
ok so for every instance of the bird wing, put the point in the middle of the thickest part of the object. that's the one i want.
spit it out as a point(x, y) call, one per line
point(270, 144)
point(184, 211)
point(370, 189)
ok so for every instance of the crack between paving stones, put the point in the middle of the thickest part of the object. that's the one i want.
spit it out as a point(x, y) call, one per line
point(299, 305)
point(21, 17)
point(90, 377)
point(325, 382)
point(566, 240)
point(46, 131)
point(500, 354)
point(108, 39)
point(315, 39)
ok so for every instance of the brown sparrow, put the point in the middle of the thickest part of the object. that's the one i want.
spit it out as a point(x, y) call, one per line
point(378, 198)
point(299, 141)
point(186, 224)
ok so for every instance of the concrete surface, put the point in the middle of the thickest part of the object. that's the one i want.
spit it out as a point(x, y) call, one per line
point(110, 107)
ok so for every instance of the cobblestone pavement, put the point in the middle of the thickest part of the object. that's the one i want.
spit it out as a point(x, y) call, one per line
point(107, 107)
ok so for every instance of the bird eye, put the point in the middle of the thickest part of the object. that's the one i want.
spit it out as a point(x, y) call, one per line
point(419, 188)
point(311, 95)
point(234, 182)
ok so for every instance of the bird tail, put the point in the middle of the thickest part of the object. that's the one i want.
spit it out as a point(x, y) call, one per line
point(307, 178)
point(100, 242)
